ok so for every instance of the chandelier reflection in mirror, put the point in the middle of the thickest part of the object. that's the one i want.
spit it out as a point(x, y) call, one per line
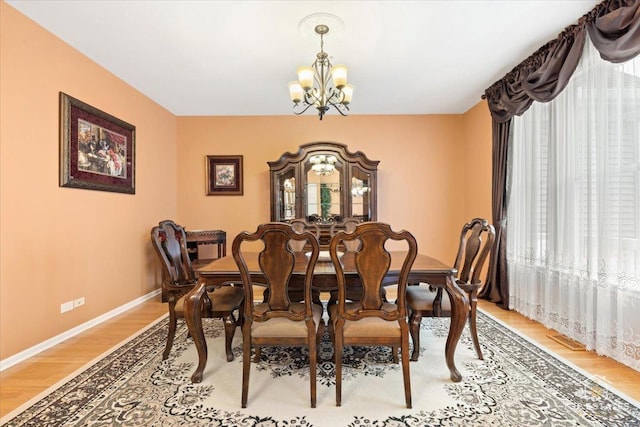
point(323, 164)
point(357, 187)
point(321, 85)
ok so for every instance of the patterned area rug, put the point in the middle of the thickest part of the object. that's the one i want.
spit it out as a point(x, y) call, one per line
point(517, 384)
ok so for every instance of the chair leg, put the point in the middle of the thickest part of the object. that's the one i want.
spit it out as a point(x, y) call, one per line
point(246, 361)
point(240, 319)
point(313, 359)
point(473, 303)
point(337, 349)
point(319, 335)
point(172, 331)
point(437, 304)
point(258, 352)
point(405, 368)
point(414, 327)
point(229, 332)
point(332, 330)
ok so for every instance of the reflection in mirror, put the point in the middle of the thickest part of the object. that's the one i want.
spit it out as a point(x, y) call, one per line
point(323, 164)
point(289, 198)
point(357, 187)
point(360, 195)
point(323, 189)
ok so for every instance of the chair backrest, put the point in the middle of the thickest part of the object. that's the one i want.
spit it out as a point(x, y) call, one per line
point(278, 264)
point(299, 226)
point(476, 241)
point(170, 242)
point(348, 225)
point(372, 262)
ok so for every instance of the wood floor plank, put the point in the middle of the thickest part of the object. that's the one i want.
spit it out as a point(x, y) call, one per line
point(26, 380)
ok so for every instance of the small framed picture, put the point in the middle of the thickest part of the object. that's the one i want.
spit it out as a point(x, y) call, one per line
point(224, 175)
point(97, 150)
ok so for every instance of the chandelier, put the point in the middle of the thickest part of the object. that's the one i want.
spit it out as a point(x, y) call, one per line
point(321, 85)
point(323, 164)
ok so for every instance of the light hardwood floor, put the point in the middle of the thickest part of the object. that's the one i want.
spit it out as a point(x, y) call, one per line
point(26, 380)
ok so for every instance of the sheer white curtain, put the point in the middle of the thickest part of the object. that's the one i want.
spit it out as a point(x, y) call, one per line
point(574, 209)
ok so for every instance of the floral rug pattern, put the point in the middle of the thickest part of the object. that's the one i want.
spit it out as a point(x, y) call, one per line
point(517, 384)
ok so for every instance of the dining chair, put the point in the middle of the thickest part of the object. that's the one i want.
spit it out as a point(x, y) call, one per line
point(476, 241)
point(370, 320)
point(169, 241)
point(279, 321)
point(348, 226)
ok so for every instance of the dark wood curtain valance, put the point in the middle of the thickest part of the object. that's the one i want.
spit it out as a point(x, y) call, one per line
point(614, 29)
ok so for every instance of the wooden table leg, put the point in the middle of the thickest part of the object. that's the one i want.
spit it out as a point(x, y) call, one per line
point(459, 310)
point(193, 317)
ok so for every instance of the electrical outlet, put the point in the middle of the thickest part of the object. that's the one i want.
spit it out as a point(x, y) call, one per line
point(66, 306)
point(78, 302)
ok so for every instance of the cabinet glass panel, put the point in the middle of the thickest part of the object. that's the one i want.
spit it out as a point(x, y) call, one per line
point(360, 194)
point(323, 194)
point(287, 192)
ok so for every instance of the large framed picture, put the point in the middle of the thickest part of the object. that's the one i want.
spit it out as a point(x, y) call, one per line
point(97, 150)
point(224, 175)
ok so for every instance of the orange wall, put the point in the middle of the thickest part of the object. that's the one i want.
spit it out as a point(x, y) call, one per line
point(477, 162)
point(59, 244)
point(477, 165)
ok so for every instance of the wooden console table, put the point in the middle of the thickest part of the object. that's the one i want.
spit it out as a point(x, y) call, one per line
point(206, 237)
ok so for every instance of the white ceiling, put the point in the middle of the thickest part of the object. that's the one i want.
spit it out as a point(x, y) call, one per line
point(236, 57)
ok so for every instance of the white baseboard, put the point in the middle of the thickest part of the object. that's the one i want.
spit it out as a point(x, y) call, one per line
point(32, 351)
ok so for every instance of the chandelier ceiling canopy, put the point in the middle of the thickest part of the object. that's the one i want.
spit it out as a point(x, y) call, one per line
point(322, 84)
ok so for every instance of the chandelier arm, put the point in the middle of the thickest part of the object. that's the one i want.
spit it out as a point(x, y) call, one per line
point(338, 95)
point(342, 109)
point(310, 97)
point(301, 107)
point(342, 113)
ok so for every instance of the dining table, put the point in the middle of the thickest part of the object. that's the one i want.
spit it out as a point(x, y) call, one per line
point(224, 271)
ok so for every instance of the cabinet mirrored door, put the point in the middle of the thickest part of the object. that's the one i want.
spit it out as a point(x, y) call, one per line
point(323, 190)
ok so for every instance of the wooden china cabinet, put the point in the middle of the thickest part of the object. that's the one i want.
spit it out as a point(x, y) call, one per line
point(324, 183)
